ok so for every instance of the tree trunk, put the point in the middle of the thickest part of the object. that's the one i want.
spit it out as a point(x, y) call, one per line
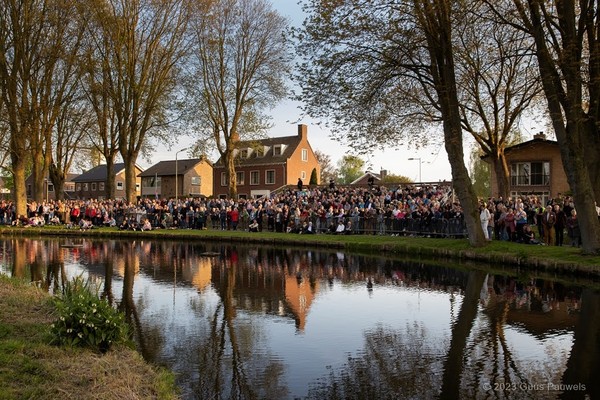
point(37, 171)
point(57, 177)
point(502, 175)
point(110, 178)
point(130, 177)
point(231, 176)
point(20, 195)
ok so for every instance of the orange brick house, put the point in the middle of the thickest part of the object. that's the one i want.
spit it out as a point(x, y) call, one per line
point(268, 164)
point(535, 168)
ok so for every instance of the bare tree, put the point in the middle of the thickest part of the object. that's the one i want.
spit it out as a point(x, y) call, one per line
point(328, 170)
point(37, 67)
point(241, 64)
point(139, 43)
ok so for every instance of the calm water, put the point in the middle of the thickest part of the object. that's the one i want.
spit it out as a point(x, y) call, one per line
point(271, 323)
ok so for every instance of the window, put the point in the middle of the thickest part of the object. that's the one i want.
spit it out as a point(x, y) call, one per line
point(50, 187)
point(119, 185)
point(254, 178)
point(85, 187)
point(239, 177)
point(530, 174)
point(244, 153)
point(270, 177)
point(137, 187)
point(303, 175)
point(223, 179)
point(304, 155)
point(277, 150)
point(196, 181)
point(78, 187)
point(94, 187)
point(260, 152)
point(101, 186)
point(69, 187)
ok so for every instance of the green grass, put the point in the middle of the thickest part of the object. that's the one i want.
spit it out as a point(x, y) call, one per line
point(30, 368)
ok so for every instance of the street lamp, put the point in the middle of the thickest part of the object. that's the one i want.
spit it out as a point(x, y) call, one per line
point(176, 179)
point(418, 159)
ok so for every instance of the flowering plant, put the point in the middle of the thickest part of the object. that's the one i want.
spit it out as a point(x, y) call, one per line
point(85, 319)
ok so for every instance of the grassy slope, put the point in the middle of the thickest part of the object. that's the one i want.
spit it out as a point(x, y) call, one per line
point(30, 368)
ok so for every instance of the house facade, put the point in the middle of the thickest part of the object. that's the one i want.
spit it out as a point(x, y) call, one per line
point(48, 189)
point(92, 183)
point(263, 166)
point(182, 178)
point(535, 169)
point(364, 178)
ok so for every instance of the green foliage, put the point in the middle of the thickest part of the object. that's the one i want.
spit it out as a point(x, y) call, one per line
point(393, 178)
point(86, 320)
point(480, 174)
point(313, 177)
point(350, 168)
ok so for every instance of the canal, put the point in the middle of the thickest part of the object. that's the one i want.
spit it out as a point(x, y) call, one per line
point(234, 321)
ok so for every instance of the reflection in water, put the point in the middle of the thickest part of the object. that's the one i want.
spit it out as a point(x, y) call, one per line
point(271, 323)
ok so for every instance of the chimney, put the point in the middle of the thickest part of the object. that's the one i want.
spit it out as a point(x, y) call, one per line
point(540, 136)
point(302, 131)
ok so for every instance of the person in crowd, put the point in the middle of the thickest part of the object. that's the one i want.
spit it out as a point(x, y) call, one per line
point(548, 221)
point(484, 217)
point(559, 225)
point(253, 227)
point(573, 229)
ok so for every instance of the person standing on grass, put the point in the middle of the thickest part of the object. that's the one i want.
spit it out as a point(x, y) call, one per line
point(484, 217)
point(559, 226)
point(548, 221)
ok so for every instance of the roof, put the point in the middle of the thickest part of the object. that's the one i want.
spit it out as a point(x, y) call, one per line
point(290, 142)
point(166, 168)
point(98, 174)
point(533, 142)
point(363, 176)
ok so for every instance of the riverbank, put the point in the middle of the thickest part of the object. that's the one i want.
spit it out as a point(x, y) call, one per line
point(32, 369)
point(548, 259)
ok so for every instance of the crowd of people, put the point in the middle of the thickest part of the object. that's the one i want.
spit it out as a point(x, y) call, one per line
point(424, 210)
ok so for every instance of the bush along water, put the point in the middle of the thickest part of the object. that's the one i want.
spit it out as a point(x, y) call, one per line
point(86, 320)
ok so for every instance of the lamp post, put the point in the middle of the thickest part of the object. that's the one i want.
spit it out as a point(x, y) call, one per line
point(418, 159)
point(176, 178)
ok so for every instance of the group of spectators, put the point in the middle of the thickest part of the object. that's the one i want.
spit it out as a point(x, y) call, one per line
point(423, 210)
point(513, 220)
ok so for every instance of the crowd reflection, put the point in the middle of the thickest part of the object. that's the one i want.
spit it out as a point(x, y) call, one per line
point(476, 357)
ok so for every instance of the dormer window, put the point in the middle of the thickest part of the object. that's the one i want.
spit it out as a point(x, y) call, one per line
point(278, 149)
point(244, 153)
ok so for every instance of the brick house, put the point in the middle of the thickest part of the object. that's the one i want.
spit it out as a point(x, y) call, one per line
point(535, 168)
point(92, 183)
point(48, 187)
point(263, 166)
point(194, 178)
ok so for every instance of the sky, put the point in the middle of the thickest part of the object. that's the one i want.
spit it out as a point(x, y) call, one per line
point(429, 164)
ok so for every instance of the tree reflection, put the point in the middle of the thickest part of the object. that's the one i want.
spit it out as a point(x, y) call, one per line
point(394, 364)
point(228, 368)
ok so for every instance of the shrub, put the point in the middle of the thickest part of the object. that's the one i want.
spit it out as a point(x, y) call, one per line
point(85, 319)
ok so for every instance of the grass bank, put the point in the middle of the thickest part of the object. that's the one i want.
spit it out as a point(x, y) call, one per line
point(32, 369)
point(549, 259)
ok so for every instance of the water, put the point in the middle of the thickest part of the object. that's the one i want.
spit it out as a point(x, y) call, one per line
point(271, 323)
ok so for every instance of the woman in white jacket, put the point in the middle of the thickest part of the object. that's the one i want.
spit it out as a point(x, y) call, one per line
point(484, 217)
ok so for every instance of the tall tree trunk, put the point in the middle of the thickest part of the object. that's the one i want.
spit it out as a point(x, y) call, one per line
point(110, 178)
point(130, 177)
point(38, 173)
point(436, 21)
point(502, 175)
point(57, 177)
point(231, 175)
point(20, 191)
